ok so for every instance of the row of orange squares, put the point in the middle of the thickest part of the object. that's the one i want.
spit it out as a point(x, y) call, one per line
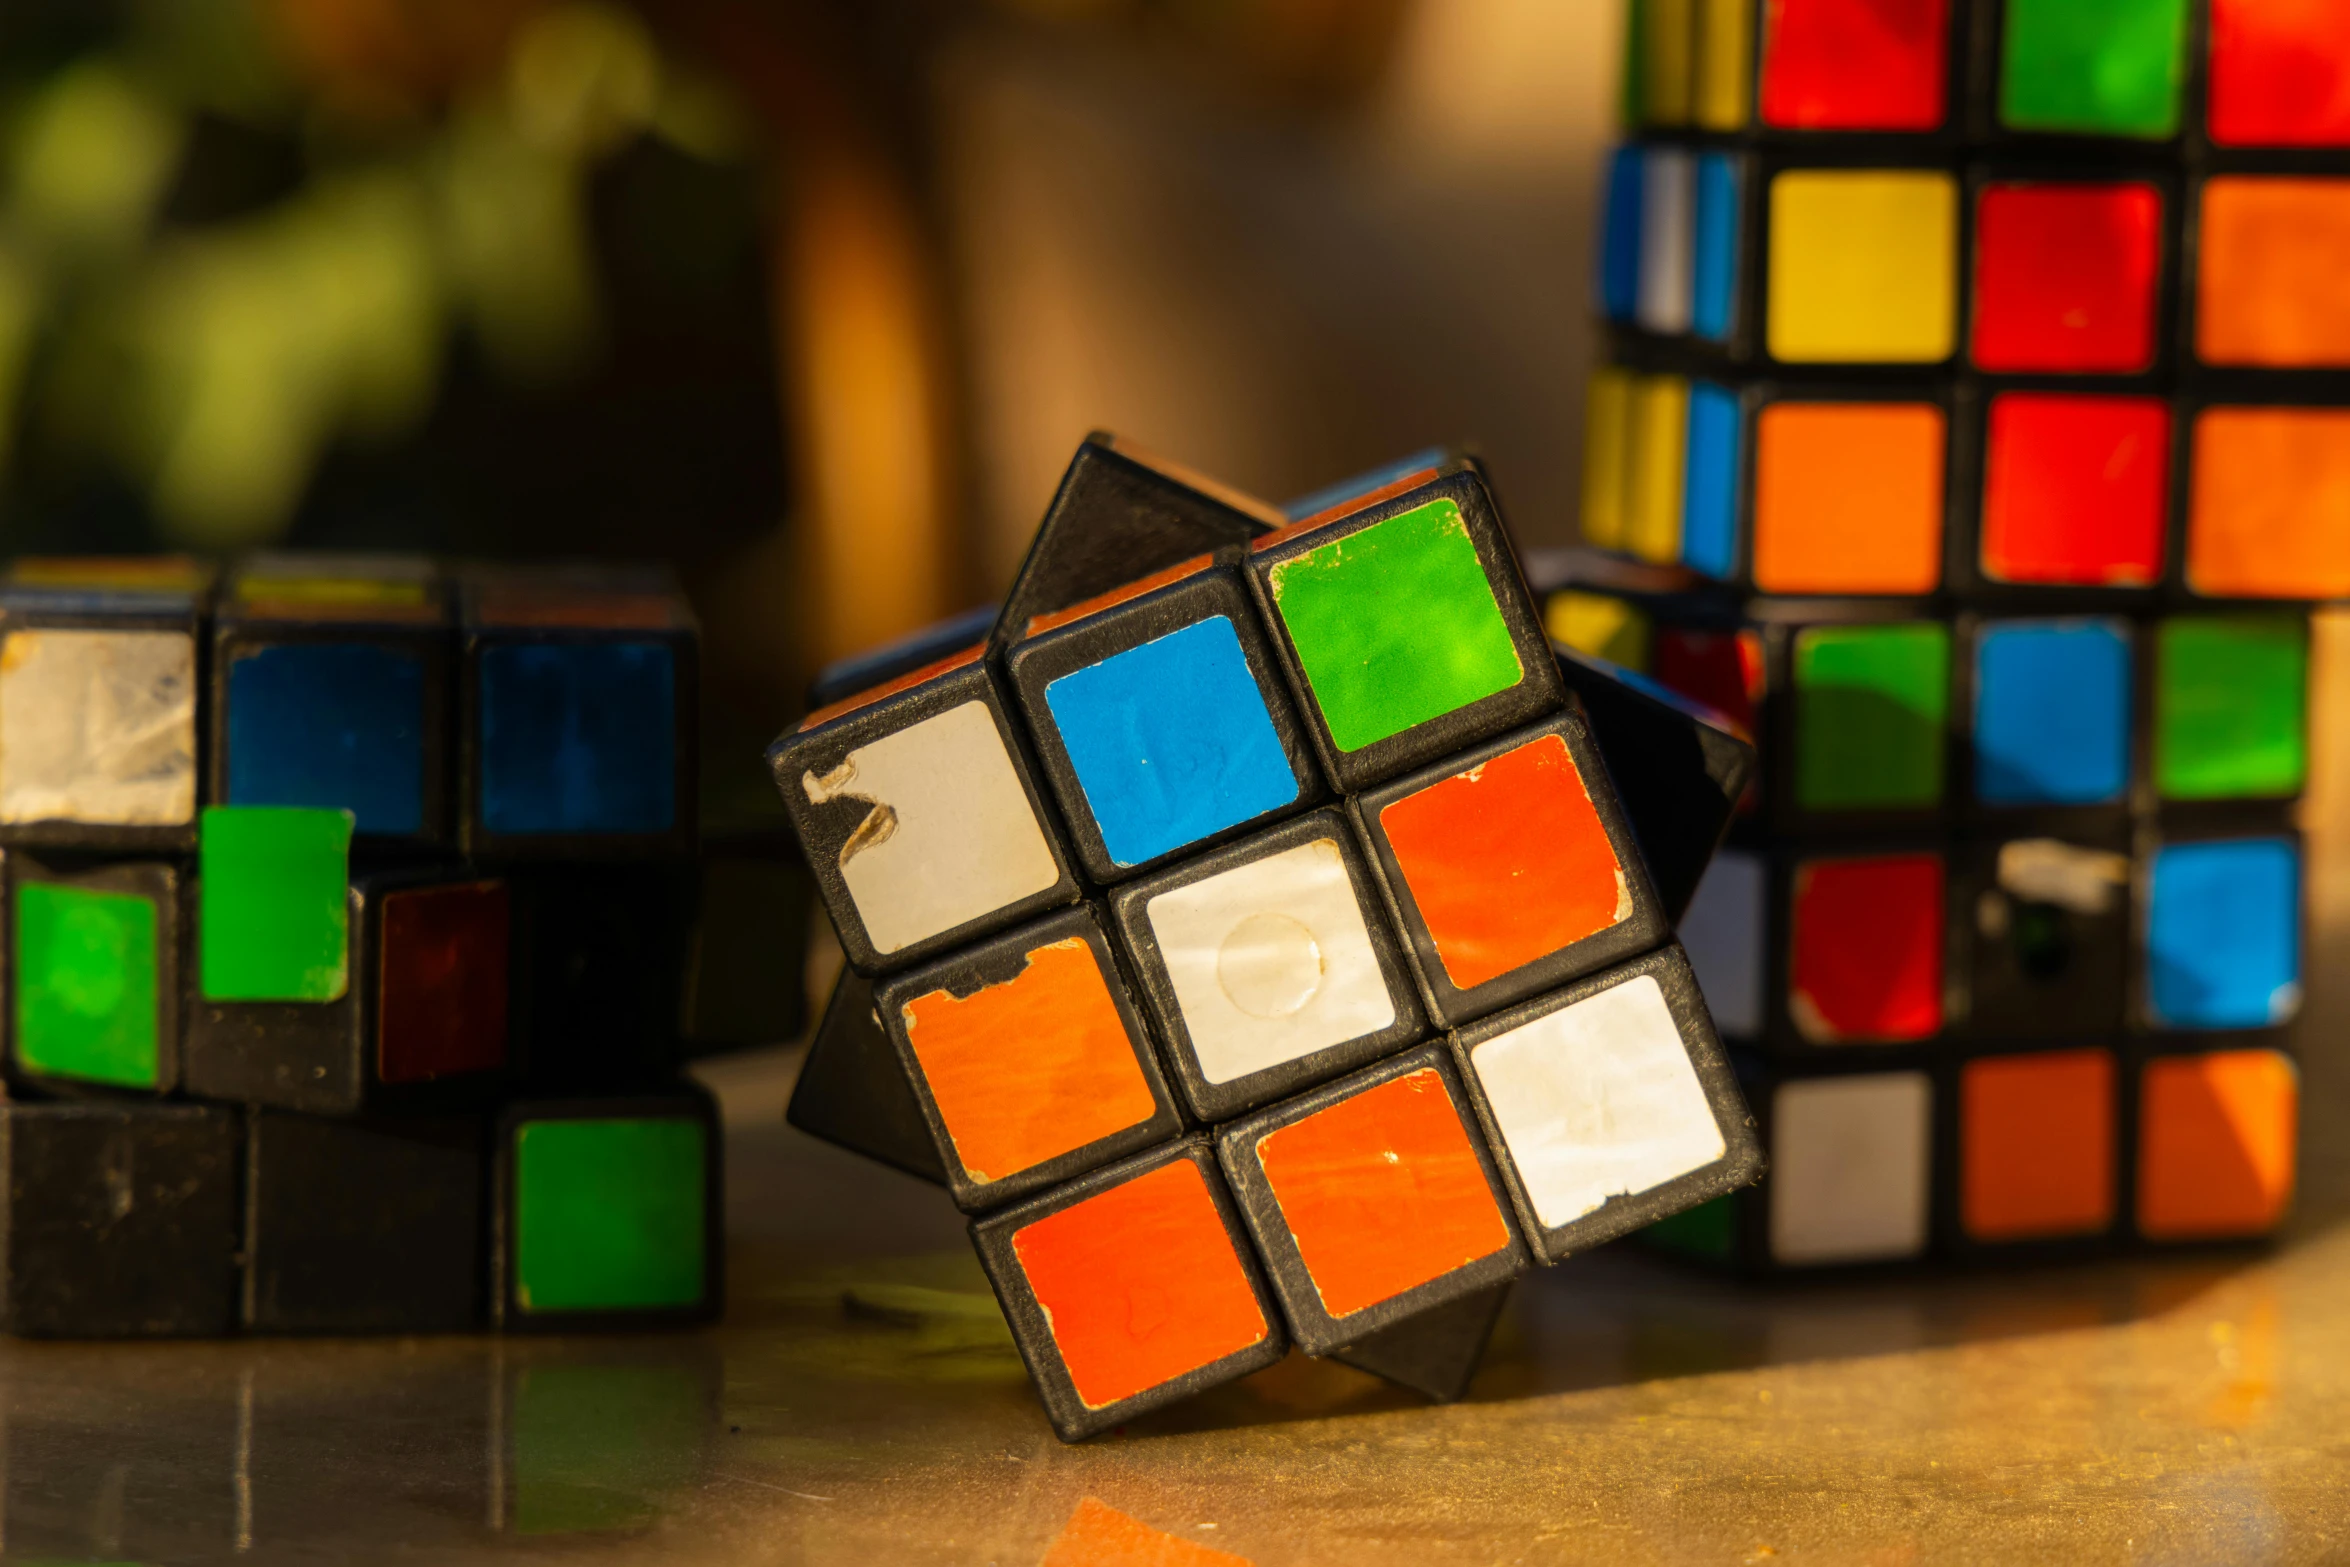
point(1825, 495)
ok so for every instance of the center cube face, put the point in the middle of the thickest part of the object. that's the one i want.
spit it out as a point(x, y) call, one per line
point(1610, 1105)
point(1372, 1200)
point(609, 1213)
point(1029, 1059)
point(1406, 629)
point(921, 817)
point(1131, 1288)
point(2076, 490)
point(2261, 518)
point(98, 728)
point(1511, 869)
point(2092, 67)
point(1269, 965)
point(2047, 921)
point(2222, 922)
point(95, 976)
point(2067, 276)
point(274, 920)
point(334, 725)
point(1161, 722)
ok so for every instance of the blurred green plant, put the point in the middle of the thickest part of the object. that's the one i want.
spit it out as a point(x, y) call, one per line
point(216, 361)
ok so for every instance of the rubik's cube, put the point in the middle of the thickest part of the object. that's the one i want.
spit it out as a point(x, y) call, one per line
point(1246, 927)
point(345, 902)
point(1975, 413)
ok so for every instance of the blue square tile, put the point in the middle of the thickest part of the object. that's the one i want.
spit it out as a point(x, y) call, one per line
point(1709, 489)
point(2052, 712)
point(1714, 286)
point(578, 737)
point(1619, 236)
point(332, 726)
point(1171, 741)
point(2223, 934)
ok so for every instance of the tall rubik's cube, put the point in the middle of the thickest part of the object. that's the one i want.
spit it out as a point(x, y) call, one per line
point(1246, 929)
point(1976, 413)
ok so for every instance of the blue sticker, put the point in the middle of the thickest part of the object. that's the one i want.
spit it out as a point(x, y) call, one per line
point(1619, 242)
point(1714, 287)
point(578, 737)
point(332, 726)
point(1709, 488)
point(2223, 934)
point(2052, 713)
point(1171, 741)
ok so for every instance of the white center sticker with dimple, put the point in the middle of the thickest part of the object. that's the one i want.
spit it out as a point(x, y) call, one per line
point(1598, 1100)
point(1271, 961)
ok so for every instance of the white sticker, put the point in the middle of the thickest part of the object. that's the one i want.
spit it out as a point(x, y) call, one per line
point(1598, 1100)
point(1849, 1167)
point(1271, 961)
point(951, 836)
point(98, 727)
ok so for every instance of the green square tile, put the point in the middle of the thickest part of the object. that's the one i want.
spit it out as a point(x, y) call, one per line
point(2231, 707)
point(2095, 67)
point(1871, 703)
point(273, 909)
point(600, 1448)
point(608, 1214)
point(86, 964)
point(1395, 625)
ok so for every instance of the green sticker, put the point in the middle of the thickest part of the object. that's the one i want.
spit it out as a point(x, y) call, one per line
point(608, 1214)
point(2230, 707)
point(1870, 706)
point(85, 984)
point(1395, 625)
point(273, 907)
point(2097, 67)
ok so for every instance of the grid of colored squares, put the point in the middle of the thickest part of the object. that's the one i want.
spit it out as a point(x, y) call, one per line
point(2273, 76)
point(2029, 1148)
point(1818, 495)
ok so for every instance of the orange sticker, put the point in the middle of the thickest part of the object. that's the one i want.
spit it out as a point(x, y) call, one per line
point(2215, 1144)
point(1848, 498)
point(2036, 1145)
point(1031, 1068)
point(1383, 1192)
point(2270, 488)
point(1507, 862)
point(2273, 272)
point(1140, 1284)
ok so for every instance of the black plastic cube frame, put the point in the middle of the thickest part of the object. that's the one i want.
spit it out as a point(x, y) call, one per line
point(1031, 1328)
point(319, 1057)
point(122, 1219)
point(1034, 662)
point(1212, 1102)
point(239, 631)
point(1435, 1354)
point(1313, 1328)
point(363, 1226)
point(157, 881)
point(852, 1090)
point(822, 745)
point(596, 1000)
point(507, 1313)
point(2042, 935)
point(1644, 927)
point(1741, 1162)
point(1949, 1158)
point(1122, 513)
point(73, 609)
point(1538, 690)
point(994, 961)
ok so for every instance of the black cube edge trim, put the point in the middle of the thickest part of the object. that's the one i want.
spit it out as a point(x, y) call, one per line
point(1314, 1329)
point(1435, 1354)
point(965, 974)
point(1072, 1418)
point(1219, 1101)
point(852, 1092)
point(1741, 1162)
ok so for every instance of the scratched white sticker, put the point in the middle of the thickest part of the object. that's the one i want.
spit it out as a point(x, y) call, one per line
point(98, 727)
point(950, 836)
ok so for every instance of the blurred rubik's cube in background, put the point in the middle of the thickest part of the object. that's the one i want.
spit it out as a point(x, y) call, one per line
point(1263, 934)
point(1977, 403)
point(347, 907)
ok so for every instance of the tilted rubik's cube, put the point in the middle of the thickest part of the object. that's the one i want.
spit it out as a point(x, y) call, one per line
point(345, 903)
point(1977, 395)
point(1245, 929)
